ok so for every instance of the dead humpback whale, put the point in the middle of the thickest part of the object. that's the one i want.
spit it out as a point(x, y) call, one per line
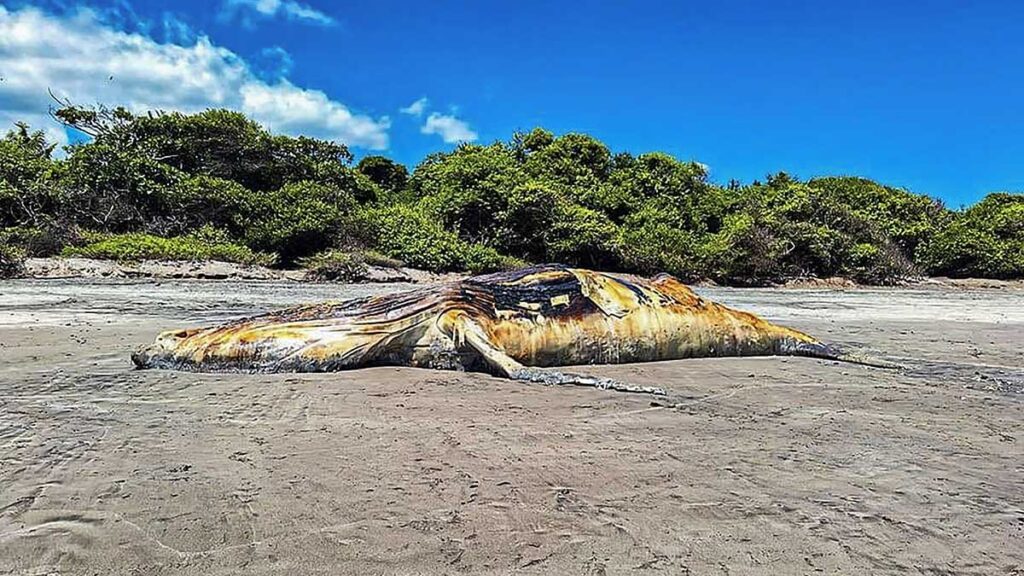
point(510, 324)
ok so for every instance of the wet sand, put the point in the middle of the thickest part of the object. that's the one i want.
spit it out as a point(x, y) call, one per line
point(769, 466)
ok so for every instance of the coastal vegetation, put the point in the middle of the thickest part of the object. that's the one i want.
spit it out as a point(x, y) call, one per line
point(216, 185)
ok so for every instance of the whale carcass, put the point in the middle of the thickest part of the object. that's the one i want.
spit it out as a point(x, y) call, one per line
point(511, 324)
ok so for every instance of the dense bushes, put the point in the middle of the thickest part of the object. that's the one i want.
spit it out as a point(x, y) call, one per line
point(390, 176)
point(906, 219)
point(345, 266)
point(172, 175)
point(12, 259)
point(786, 228)
point(294, 221)
point(408, 233)
point(206, 244)
point(218, 185)
point(986, 240)
point(37, 242)
point(25, 170)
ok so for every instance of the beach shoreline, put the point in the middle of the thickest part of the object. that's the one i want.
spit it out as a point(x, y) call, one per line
point(93, 269)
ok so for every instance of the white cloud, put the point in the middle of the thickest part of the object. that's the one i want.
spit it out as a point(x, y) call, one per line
point(81, 58)
point(285, 108)
point(449, 128)
point(287, 9)
point(417, 108)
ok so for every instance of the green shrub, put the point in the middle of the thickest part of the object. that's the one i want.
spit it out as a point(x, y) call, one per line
point(218, 143)
point(345, 266)
point(466, 191)
point(113, 188)
point(907, 219)
point(196, 201)
point(581, 236)
point(390, 176)
point(206, 244)
point(986, 241)
point(679, 190)
point(479, 259)
point(405, 232)
point(37, 242)
point(297, 220)
point(746, 251)
point(408, 233)
point(871, 264)
point(12, 260)
point(26, 194)
point(335, 265)
point(962, 250)
point(374, 258)
point(523, 223)
point(650, 244)
point(577, 160)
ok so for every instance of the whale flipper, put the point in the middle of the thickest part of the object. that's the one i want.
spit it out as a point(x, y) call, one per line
point(466, 332)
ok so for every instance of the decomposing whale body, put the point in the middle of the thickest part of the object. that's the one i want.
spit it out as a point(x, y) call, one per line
point(510, 324)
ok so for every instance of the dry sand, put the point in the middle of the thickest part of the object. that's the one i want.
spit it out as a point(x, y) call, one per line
point(88, 269)
point(771, 466)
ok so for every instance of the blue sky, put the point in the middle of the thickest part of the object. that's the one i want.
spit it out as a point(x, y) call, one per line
point(928, 95)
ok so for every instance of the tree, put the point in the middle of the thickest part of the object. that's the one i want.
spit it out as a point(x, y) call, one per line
point(651, 242)
point(110, 187)
point(907, 218)
point(986, 240)
point(526, 143)
point(218, 143)
point(410, 234)
point(679, 187)
point(575, 160)
point(525, 221)
point(786, 228)
point(391, 176)
point(26, 196)
point(166, 182)
point(297, 220)
point(468, 188)
point(583, 237)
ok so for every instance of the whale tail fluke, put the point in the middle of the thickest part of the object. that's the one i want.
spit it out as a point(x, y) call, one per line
point(832, 352)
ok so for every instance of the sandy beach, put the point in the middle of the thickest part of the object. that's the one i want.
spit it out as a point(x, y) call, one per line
point(768, 466)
